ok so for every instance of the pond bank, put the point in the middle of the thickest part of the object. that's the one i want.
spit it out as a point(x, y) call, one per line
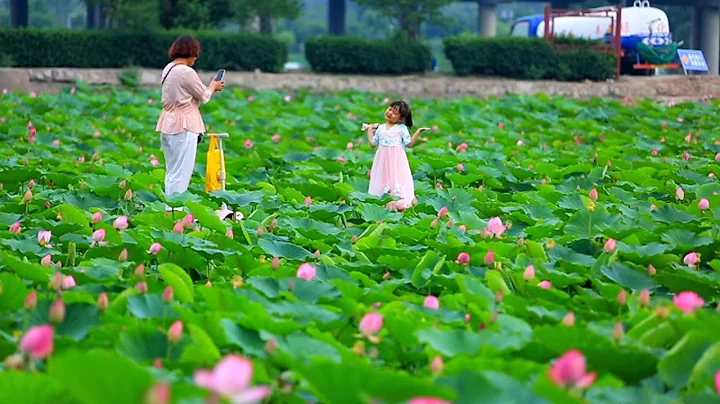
point(674, 87)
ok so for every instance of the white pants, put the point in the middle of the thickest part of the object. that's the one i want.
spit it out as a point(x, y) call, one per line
point(180, 150)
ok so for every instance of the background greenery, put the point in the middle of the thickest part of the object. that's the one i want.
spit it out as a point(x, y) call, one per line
point(295, 21)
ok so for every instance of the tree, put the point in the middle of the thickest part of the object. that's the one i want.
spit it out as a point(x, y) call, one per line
point(410, 14)
point(245, 11)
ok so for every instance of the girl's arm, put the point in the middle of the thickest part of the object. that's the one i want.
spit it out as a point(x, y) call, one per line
point(371, 134)
point(415, 135)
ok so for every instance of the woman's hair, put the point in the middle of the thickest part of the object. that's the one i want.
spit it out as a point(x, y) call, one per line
point(403, 109)
point(185, 46)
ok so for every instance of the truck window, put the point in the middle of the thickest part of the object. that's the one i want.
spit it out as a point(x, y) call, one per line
point(520, 29)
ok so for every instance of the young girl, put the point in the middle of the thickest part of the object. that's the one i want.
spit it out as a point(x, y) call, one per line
point(390, 173)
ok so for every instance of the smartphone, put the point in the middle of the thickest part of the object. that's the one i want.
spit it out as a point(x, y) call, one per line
point(220, 75)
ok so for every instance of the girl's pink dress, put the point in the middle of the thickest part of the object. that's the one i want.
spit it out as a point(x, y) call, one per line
point(390, 173)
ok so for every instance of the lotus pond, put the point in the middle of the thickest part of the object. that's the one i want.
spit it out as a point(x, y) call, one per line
point(561, 251)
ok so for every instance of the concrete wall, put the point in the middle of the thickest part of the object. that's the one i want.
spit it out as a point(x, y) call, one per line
point(676, 87)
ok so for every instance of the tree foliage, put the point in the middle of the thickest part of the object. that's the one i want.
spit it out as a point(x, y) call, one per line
point(245, 11)
point(410, 14)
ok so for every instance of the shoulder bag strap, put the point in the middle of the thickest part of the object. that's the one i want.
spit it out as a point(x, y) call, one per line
point(168, 73)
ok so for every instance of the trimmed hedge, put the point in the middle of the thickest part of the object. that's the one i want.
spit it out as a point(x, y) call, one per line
point(530, 58)
point(117, 49)
point(352, 55)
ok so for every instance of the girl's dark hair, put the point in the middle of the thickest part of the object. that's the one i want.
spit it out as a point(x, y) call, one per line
point(403, 109)
point(185, 46)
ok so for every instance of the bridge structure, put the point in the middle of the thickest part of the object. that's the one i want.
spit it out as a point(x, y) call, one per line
point(705, 21)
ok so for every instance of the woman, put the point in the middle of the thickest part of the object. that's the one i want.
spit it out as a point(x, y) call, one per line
point(180, 123)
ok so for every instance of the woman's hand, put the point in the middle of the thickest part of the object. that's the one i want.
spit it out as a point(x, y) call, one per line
point(423, 129)
point(216, 85)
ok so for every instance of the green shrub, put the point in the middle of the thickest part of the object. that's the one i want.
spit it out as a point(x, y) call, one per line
point(529, 58)
point(116, 49)
point(345, 54)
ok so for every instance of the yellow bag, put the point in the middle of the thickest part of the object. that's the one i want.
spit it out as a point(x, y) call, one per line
point(214, 166)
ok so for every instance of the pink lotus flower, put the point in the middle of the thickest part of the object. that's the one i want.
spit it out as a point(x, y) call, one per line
point(463, 258)
point(97, 217)
point(431, 302)
point(622, 297)
point(248, 144)
point(462, 227)
point(57, 311)
point(495, 227)
point(229, 233)
point(102, 301)
point(717, 157)
point(704, 204)
point(154, 160)
point(250, 98)
point(15, 228)
point(529, 273)
point(68, 282)
point(688, 301)
point(569, 371)
point(428, 400)
point(155, 248)
point(158, 393)
point(128, 195)
point(141, 287)
point(569, 319)
point(175, 331)
point(46, 261)
point(654, 152)
point(545, 284)
point(593, 194)
point(349, 145)
point(306, 271)
point(168, 294)
point(443, 211)
point(121, 223)
point(275, 263)
point(231, 379)
point(460, 167)
point(461, 147)
point(680, 194)
point(98, 235)
point(123, 255)
point(371, 323)
point(651, 270)
point(489, 258)
point(287, 98)
point(179, 227)
point(717, 381)
point(644, 297)
point(308, 201)
point(686, 156)
point(610, 245)
point(28, 196)
point(122, 184)
point(38, 341)
point(501, 125)
point(691, 259)
point(276, 138)
point(44, 237)
point(140, 269)
point(56, 281)
point(31, 300)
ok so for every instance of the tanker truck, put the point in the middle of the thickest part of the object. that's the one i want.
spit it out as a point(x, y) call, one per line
point(645, 32)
